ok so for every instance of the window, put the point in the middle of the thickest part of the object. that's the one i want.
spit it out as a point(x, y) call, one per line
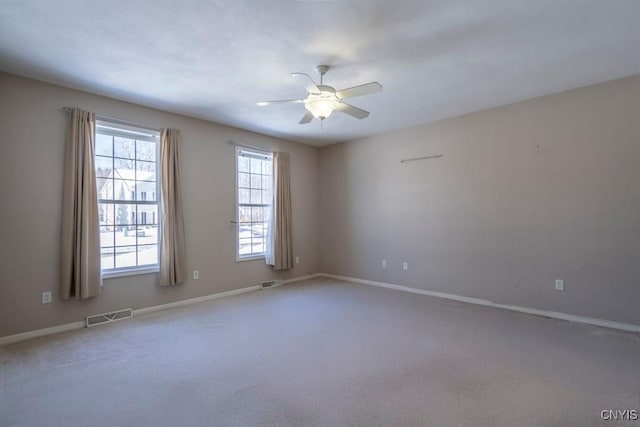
point(255, 183)
point(126, 162)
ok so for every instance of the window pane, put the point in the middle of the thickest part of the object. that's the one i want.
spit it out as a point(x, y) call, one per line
point(104, 166)
point(146, 187)
point(266, 182)
point(243, 180)
point(256, 197)
point(146, 150)
point(257, 214)
point(106, 258)
point(104, 145)
point(243, 196)
point(124, 147)
point(126, 235)
point(256, 166)
point(266, 197)
point(123, 213)
point(149, 213)
point(244, 246)
point(106, 236)
point(124, 168)
point(147, 255)
point(145, 171)
point(256, 181)
point(243, 164)
point(260, 229)
point(244, 214)
point(267, 168)
point(244, 231)
point(124, 189)
point(106, 214)
point(125, 256)
point(257, 247)
point(105, 188)
point(149, 236)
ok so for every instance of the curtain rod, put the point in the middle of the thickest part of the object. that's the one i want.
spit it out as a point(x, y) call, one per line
point(422, 158)
point(115, 120)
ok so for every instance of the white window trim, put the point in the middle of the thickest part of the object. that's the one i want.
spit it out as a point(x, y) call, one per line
point(124, 272)
point(117, 128)
point(252, 257)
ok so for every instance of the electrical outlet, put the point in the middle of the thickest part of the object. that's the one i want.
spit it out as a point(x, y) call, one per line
point(559, 285)
point(297, 260)
point(384, 263)
point(196, 274)
point(46, 297)
point(405, 266)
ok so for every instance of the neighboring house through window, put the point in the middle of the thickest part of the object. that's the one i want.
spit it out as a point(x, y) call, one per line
point(126, 163)
point(254, 198)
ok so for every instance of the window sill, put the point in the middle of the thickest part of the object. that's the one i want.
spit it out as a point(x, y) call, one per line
point(250, 258)
point(135, 272)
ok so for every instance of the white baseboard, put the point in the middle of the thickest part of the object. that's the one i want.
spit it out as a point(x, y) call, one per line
point(301, 278)
point(42, 332)
point(553, 314)
point(196, 300)
point(81, 324)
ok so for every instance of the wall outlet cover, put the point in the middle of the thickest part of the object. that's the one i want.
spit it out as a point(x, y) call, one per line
point(46, 297)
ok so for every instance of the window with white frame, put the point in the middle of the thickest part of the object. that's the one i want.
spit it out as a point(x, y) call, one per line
point(126, 164)
point(254, 198)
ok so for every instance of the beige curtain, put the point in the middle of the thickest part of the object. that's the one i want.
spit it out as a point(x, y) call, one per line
point(80, 258)
point(280, 238)
point(173, 263)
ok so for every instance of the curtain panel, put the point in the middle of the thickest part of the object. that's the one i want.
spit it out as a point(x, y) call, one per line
point(173, 264)
point(279, 236)
point(80, 251)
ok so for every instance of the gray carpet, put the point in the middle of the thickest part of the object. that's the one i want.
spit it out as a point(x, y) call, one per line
point(323, 353)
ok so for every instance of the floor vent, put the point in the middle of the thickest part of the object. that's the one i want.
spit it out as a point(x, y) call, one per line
point(270, 284)
point(114, 316)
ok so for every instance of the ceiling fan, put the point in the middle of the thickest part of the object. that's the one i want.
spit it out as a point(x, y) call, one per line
point(322, 99)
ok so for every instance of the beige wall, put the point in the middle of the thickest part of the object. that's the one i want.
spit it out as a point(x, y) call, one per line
point(31, 166)
point(543, 189)
point(535, 191)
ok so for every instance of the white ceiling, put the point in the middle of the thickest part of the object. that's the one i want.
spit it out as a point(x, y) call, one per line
point(215, 59)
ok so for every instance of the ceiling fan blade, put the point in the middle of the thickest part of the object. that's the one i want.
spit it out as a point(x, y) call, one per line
point(356, 112)
point(306, 81)
point(282, 101)
point(364, 89)
point(306, 118)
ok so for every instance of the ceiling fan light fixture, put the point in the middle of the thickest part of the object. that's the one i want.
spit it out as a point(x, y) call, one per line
point(321, 108)
point(323, 99)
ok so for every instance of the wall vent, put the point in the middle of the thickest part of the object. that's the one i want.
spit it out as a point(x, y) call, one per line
point(114, 316)
point(270, 284)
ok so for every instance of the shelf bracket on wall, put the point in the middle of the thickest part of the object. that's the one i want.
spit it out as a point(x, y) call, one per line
point(422, 158)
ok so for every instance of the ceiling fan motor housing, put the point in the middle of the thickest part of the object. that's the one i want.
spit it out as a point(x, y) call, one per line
point(322, 104)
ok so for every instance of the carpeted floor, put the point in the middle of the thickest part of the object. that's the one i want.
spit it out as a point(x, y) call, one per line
point(323, 353)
